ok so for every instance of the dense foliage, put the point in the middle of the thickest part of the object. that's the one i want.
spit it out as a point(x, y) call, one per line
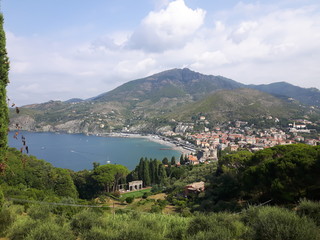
point(281, 175)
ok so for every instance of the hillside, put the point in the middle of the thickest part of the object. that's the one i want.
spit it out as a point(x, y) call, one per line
point(308, 96)
point(244, 104)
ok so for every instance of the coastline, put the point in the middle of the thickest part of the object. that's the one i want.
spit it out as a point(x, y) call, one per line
point(152, 138)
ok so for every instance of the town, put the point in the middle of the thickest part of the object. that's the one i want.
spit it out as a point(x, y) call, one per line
point(205, 145)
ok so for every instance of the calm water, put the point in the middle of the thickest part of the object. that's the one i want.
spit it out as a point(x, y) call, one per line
point(78, 151)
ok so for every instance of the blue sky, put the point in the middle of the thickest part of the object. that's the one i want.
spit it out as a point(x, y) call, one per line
point(65, 49)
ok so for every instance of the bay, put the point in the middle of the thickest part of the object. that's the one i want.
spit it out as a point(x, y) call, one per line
point(78, 151)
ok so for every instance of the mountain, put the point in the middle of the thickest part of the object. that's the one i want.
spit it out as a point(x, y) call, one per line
point(308, 96)
point(175, 83)
point(139, 104)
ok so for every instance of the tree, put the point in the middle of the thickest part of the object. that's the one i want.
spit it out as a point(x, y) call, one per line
point(4, 80)
point(165, 161)
point(63, 183)
point(109, 175)
point(173, 160)
point(146, 173)
point(95, 165)
point(181, 160)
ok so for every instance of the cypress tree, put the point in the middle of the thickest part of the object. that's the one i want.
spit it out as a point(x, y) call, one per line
point(140, 169)
point(181, 159)
point(146, 173)
point(4, 80)
point(162, 174)
point(153, 172)
point(173, 160)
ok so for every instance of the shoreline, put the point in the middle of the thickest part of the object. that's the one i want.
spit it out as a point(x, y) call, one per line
point(152, 138)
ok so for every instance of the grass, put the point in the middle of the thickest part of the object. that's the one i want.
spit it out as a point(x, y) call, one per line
point(135, 194)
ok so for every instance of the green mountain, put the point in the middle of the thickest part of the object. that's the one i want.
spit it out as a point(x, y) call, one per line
point(148, 103)
point(175, 83)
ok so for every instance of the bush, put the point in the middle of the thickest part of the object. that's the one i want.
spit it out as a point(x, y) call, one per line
point(145, 195)
point(50, 231)
point(39, 212)
point(84, 221)
point(21, 228)
point(116, 194)
point(129, 200)
point(98, 233)
point(218, 226)
point(8, 215)
point(310, 209)
point(277, 223)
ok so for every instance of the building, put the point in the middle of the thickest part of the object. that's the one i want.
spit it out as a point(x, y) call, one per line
point(196, 187)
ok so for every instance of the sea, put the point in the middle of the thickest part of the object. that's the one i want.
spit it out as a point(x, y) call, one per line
point(78, 151)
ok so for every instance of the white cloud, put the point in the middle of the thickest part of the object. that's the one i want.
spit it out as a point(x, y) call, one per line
point(167, 28)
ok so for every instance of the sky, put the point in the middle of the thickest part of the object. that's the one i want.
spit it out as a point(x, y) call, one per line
point(79, 49)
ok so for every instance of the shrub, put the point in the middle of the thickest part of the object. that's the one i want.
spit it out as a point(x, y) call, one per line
point(84, 221)
point(21, 228)
point(277, 223)
point(145, 195)
point(310, 209)
point(116, 194)
point(129, 200)
point(216, 226)
point(8, 215)
point(50, 231)
point(39, 212)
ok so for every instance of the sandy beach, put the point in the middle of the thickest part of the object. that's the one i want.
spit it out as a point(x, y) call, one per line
point(153, 138)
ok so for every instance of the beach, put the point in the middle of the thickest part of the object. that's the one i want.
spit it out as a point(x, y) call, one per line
point(153, 138)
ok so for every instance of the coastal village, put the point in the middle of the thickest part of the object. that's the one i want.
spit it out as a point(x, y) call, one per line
point(204, 146)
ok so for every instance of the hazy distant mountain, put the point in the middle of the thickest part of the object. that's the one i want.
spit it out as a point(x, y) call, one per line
point(74, 100)
point(309, 96)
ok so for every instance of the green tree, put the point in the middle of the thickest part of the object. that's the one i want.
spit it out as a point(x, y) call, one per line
point(173, 160)
point(109, 175)
point(63, 184)
point(4, 80)
point(165, 161)
point(146, 173)
point(181, 159)
point(162, 174)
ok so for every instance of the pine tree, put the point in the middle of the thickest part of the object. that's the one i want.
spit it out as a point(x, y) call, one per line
point(4, 80)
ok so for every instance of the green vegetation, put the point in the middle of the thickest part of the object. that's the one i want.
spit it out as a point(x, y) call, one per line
point(251, 224)
point(4, 80)
point(237, 181)
point(245, 104)
point(136, 194)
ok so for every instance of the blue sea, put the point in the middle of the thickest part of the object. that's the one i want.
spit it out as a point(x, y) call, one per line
point(78, 151)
